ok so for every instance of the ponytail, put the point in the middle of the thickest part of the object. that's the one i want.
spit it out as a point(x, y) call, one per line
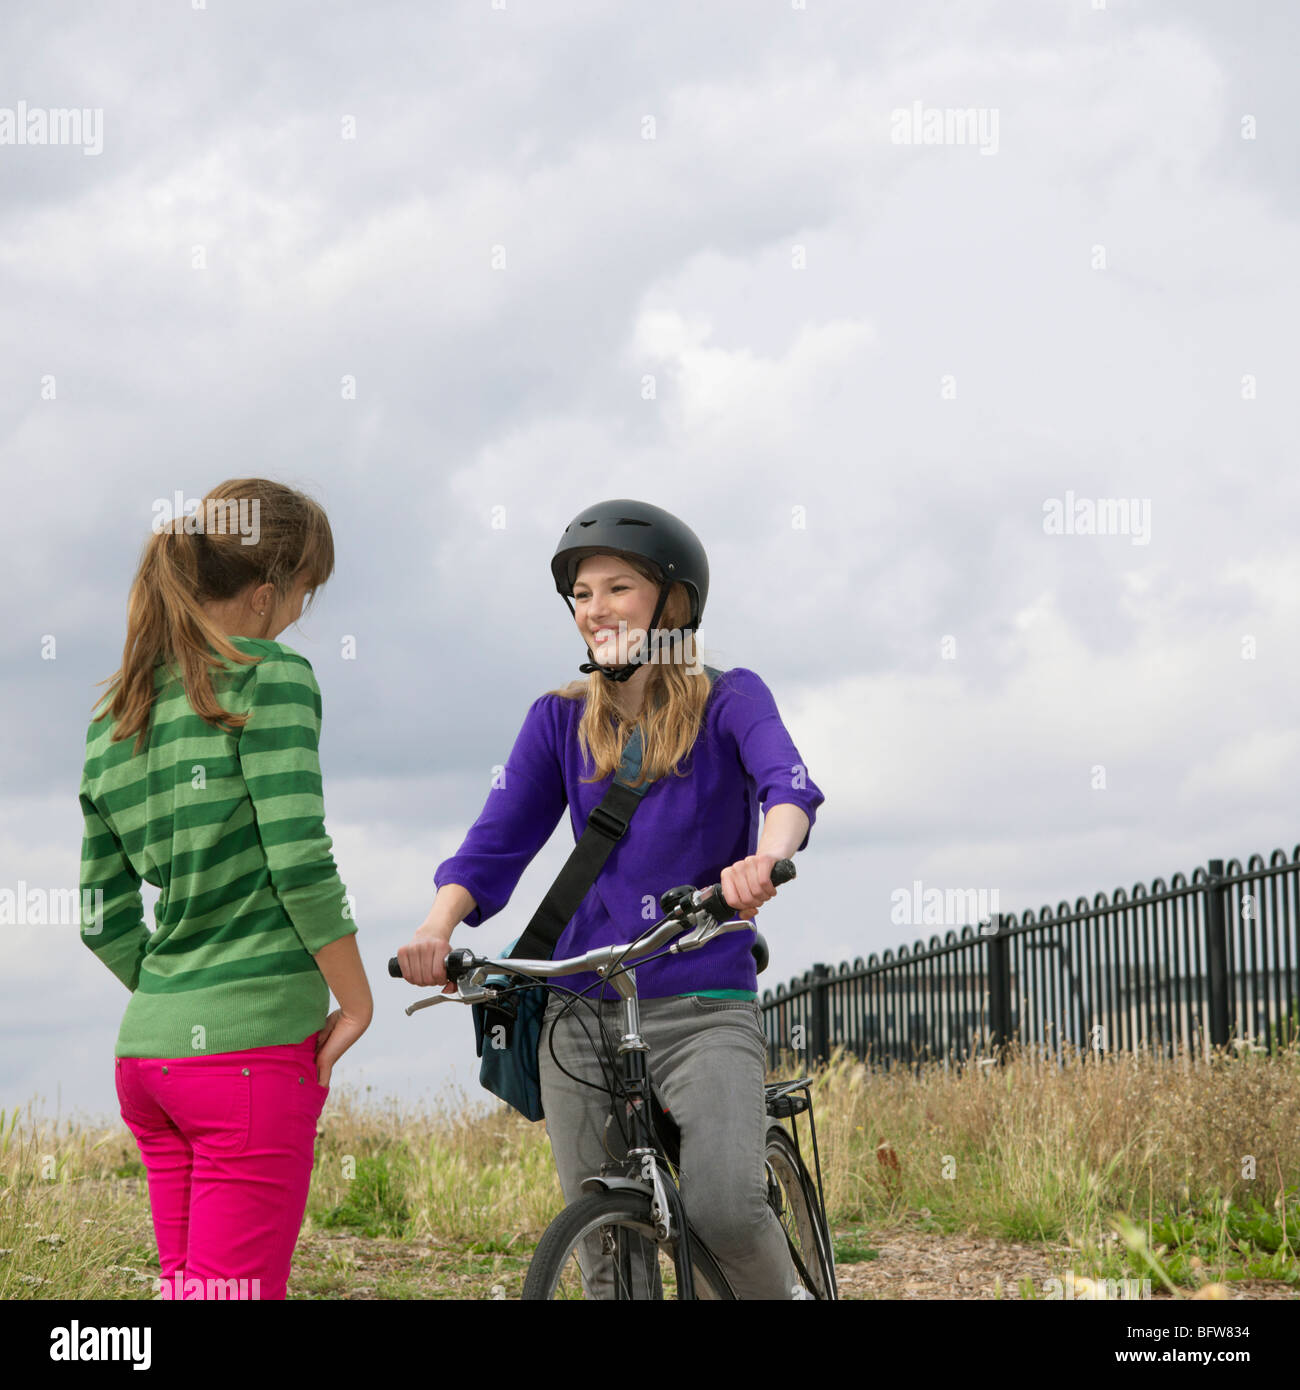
point(181, 569)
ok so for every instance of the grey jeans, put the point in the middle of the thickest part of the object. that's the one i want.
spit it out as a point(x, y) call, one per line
point(708, 1061)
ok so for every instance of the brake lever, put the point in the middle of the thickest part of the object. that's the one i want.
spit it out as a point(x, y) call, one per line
point(431, 1001)
point(473, 990)
point(706, 931)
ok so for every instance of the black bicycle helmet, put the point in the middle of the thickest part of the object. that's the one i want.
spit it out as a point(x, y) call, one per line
point(650, 534)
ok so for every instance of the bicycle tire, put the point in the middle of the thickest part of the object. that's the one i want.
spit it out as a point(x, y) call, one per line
point(621, 1210)
point(799, 1211)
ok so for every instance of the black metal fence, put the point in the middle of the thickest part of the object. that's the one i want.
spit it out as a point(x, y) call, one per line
point(1195, 964)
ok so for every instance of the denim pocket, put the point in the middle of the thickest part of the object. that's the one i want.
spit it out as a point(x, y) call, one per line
point(130, 1107)
point(212, 1107)
point(715, 1006)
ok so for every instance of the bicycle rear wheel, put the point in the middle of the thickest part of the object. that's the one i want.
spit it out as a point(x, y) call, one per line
point(792, 1194)
point(603, 1246)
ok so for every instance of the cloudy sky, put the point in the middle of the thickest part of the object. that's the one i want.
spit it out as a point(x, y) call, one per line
point(683, 253)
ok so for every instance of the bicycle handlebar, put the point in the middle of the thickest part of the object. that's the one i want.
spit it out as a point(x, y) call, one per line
point(707, 900)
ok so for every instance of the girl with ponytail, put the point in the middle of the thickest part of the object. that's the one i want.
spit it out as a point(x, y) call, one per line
point(202, 778)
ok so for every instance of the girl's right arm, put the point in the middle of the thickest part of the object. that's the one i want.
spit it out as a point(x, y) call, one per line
point(522, 809)
point(340, 964)
point(422, 959)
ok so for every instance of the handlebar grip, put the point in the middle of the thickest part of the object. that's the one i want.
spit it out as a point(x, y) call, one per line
point(456, 964)
point(718, 907)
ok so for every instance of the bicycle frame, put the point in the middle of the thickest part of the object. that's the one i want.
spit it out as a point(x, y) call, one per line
point(615, 966)
point(648, 1152)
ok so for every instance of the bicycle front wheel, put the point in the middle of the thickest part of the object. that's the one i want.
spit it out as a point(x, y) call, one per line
point(603, 1246)
point(792, 1195)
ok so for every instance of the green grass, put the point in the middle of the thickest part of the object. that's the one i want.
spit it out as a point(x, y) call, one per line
point(375, 1204)
point(851, 1248)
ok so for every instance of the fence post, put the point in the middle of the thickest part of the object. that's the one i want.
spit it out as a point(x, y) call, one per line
point(819, 1014)
point(999, 967)
point(1216, 954)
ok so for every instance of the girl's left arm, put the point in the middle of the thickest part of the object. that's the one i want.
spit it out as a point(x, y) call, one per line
point(747, 885)
point(785, 828)
point(748, 713)
point(787, 793)
point(110, 908)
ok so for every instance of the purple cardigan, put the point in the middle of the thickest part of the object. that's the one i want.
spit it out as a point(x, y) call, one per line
point(685, 831)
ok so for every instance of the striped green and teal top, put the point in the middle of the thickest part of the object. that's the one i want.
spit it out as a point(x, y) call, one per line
point(230, 827)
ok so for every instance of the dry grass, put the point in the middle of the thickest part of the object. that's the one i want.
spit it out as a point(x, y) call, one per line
point(1132, 1164)
point(1040, 1150)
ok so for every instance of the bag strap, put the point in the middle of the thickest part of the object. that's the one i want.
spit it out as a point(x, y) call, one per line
point(606, 825)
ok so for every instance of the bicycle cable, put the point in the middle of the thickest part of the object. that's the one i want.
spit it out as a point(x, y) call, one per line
point(614, 1089)
point(608, 1063)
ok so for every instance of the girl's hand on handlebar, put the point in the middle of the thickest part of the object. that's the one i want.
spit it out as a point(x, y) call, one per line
point(747, 884)
point(423, 961)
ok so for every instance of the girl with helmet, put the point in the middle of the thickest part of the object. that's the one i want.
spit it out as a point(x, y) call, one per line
point(202, 778)
point(715, 751)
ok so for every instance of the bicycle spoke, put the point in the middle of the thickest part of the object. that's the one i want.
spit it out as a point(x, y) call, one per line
point(603, 1247)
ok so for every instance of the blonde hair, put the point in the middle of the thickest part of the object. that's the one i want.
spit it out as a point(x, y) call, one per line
point(671, 713)
point(181, 570)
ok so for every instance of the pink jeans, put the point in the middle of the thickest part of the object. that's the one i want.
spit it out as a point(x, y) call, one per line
point(227, 1140)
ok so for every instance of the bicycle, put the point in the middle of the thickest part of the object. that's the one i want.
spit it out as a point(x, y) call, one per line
point(631, 1223)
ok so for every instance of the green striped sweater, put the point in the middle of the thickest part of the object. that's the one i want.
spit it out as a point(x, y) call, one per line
point(230, 828)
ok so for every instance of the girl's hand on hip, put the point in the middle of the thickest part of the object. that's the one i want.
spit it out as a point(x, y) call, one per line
point(341, 1030)
point(747, 884)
